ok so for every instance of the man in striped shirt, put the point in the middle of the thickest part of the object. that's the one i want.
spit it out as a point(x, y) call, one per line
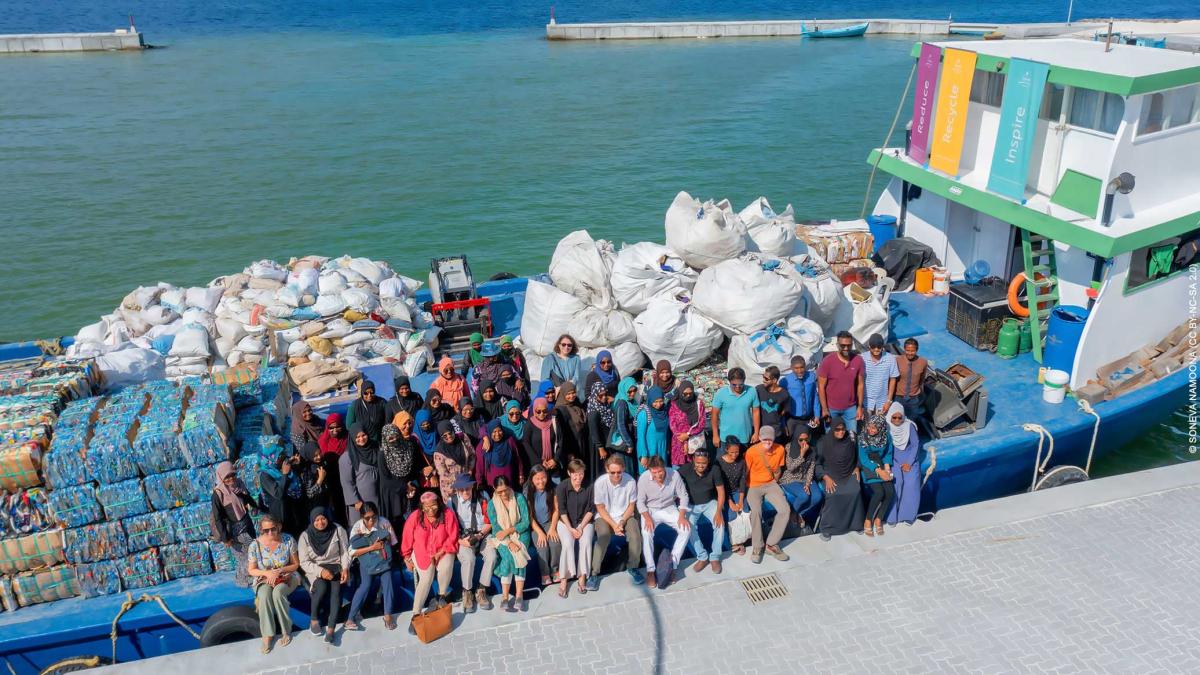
point(881, 375)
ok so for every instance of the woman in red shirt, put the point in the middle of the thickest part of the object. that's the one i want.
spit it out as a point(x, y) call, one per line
point(430, 541)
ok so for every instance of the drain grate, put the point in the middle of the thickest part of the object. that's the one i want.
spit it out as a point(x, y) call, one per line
point(764, 588)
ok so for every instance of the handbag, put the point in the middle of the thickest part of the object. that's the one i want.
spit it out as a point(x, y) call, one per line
point(739, 528)
point(430, 626)
point(695, 443)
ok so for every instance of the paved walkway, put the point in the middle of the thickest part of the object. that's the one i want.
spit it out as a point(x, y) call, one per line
point(1096, 577)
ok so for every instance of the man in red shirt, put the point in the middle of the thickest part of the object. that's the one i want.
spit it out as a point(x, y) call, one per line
point(840, 381)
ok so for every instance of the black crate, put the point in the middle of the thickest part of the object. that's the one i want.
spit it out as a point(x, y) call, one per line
point(976, 312)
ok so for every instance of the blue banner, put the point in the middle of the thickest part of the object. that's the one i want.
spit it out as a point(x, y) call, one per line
point(1018, 125)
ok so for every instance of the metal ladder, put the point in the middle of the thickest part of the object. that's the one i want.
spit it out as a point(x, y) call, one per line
point(1041, 294)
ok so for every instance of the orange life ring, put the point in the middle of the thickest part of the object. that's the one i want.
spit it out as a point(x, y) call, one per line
point(1014, 288)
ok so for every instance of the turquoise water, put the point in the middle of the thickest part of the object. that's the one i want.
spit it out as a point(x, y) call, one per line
point(185, 163)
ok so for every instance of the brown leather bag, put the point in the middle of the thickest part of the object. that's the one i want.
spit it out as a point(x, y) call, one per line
point(430, 626)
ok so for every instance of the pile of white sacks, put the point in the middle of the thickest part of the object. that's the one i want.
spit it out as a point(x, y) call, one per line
point(344, 312)
point(721, 274)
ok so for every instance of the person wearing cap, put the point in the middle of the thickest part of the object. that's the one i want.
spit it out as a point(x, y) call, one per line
point(764, 460)
point(840, 381)
point(488, 368)
point(470, 508)
point(880, 376)
point(735, 410)
point(514, 357)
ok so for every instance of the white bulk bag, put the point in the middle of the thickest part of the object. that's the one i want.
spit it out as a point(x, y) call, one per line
point(357, 337)
point(704, 234)
point(130, 365)
point(201, 317)
point(94, 332)
point(770, 233)
point(396, 308)
point(230, 328)
point(370, 270)
point(157, 315)
point(822, 289)
point(191, 341)
point(250, 345)
point(336, 328)
point(646, 270)
point(775, 346)
point(627, 357)
point(142, 297)
point(329, 305)
point(306, 281)
point(174, 299)
point(869, 311)
point(360, 300)
point(387, 349)
point(298, 349)
point(392, 287)
point(747, 294)
point(204, 297)
point(581, 267)
point(267, 269)
point(288, 296)
point(418, 361)
point(331, 282)
point(594, 327)
point(547, 313)
point(671, 329)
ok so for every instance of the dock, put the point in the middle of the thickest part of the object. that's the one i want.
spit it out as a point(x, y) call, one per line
point(1091, 577)
point(122, 39)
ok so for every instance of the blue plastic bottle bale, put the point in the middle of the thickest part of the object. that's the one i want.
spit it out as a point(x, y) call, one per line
point(883, 229)
point(1062, 336)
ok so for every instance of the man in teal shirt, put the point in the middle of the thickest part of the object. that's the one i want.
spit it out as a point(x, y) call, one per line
point(735, 410)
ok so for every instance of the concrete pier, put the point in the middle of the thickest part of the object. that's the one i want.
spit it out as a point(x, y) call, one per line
point(730, 29)
point(120, 39)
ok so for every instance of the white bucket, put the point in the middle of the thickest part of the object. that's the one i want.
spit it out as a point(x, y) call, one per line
point(941, 281)
point(1055, 388)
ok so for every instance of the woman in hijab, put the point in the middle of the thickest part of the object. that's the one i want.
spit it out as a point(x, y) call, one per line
point(906, 447)
point(623, 437)
point(325, 559)
point(231, 523)
point(314, 478)
point(449, 383)
point(306, 426)
point(604, 371)
point(332, 445)
point(514, 357)
point(452, 457)
point(397, 469)
point(496, 455)
point(837, 469)
point(571, 414)
point(664, 378)
point(509, 514)
point(875, 462)
point(520, 430)
point(474, 354)
point(425, 431)
point(796, 478)
point(405, 399)
point(467, 422)
point(689, 421)
point(545, 446)
point(545, 390)
point(512, 388)
point(283, 495)
point(359, 468)
point(439, 410)
point(600, 421)
point(487, 402)
point(564, 364)
point(653, 429)
point(369, 411)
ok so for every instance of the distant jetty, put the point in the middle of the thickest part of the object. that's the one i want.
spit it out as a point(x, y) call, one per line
point(122, 39)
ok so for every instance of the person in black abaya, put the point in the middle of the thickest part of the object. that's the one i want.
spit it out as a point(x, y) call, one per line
point(369, 411)
point(837, 468)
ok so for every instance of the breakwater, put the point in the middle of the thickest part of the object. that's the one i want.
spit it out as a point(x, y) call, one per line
point(32, 43)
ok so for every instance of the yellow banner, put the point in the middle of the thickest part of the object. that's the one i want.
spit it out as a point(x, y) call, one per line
point(950, 120)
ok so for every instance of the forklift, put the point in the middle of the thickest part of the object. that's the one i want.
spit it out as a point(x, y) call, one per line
point(457, 308)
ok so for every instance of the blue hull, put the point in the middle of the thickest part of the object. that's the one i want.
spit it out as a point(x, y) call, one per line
point(856, 30)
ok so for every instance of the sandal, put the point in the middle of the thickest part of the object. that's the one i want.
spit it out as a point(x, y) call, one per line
point(285, 640)
point(582, 586)
point(879, 530)
point(562, 592)
point(266, 648)
point(390, 624)
point(351, 625)
point(867, 530)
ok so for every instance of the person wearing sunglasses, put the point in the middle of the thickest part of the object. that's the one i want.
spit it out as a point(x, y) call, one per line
point(325, 559)
point(545, 445)
point(564, 364)
point(509, 514)
point(841, 382)
point(272, 561)
point(604, 371)
point(231, 522)
point(430, 547)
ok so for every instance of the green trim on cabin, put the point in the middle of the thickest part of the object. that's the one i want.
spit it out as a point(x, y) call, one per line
point(1048, 226)
point(1122, 85)
point(1078, 192)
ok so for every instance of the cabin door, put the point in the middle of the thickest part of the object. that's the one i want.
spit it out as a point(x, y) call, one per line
point(971, 236)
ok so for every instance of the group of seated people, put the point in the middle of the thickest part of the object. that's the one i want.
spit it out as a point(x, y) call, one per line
point(505, 483)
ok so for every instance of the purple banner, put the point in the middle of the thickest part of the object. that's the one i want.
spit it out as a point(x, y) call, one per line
point(924, 99)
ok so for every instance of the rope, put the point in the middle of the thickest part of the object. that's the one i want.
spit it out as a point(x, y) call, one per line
point(50, 347)
point(130, 603)
point(1039, 464)
point(1086, 408)
point(85, 661)
point(895, 120)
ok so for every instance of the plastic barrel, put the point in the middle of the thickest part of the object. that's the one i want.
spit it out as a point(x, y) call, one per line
point(1062, 336)
point(883, 229)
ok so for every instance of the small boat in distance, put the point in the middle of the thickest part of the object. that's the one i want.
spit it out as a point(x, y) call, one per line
point(855, 30)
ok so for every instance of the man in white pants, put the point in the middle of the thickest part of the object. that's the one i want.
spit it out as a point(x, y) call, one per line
point(662, 499)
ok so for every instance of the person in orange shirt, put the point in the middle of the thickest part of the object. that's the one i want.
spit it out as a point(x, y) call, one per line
point(764, 460)
point(452, 385)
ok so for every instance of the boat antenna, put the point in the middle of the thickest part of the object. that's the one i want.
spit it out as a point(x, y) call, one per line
point(1070, 11)
point(899, 109)
point(132, 29)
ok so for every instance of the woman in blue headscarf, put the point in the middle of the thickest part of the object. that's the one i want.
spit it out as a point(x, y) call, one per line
point(497, 455)
point(653, 428)
point(604, 371)
point(518, 427)
point(425, 429)
point(623, 440)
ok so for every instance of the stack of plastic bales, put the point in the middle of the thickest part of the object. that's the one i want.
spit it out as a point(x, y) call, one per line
point(33, 395)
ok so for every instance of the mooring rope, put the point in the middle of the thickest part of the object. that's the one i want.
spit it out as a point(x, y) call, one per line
point(888, 139)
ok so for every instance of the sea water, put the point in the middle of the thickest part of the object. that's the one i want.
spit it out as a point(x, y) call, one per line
point(408, 130)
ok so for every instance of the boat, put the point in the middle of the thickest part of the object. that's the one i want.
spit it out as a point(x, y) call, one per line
point(1107, 186)
point(856, 30)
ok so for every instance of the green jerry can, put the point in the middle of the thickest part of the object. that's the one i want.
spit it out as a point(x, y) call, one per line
point(1008, 339)
point(1026, 344)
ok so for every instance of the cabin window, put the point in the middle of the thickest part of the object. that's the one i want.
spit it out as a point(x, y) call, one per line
point(1163, 259)
point(1169, 109)
point(1096, 110)
point(987, 88)
point(1052, 102)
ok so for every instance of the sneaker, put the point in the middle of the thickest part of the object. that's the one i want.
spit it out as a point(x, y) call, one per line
point(482, 599)
point(329, 636)
point(468, 602)
point(716, 566)
point(637, 576)
point(439, 601)
point(825, 537)
point(756, 557)
point(778, 553)
point(522, 605)
point(593, 584)
point(508, 605)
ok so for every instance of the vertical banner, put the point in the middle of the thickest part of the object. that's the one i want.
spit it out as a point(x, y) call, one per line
point(923, 99)
point(1018, 123)
point(950, 119)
